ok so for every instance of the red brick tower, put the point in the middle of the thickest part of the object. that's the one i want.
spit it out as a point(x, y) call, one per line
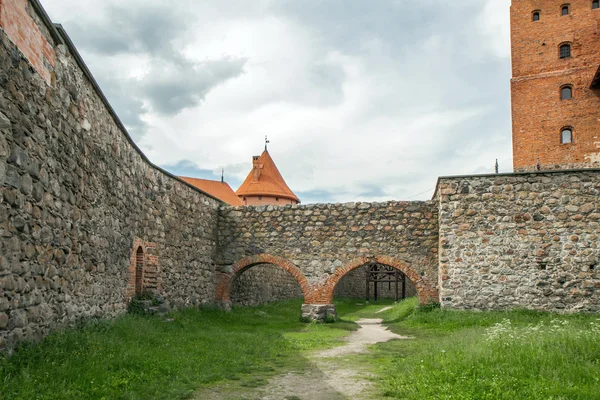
point(555, 87)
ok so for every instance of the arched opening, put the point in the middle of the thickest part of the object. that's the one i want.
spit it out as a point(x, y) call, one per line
point(139, 271)
point(426, 292)
point(263, 283)
point(373, 282)
point(241, 283)
point(535, 16)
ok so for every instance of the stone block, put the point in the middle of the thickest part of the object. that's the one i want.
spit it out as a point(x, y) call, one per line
point(3, 321)
point(319, 312)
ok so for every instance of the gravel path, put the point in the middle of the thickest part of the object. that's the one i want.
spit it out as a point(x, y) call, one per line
point(331, 377)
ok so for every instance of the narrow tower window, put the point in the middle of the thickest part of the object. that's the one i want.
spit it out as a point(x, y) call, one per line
point(564, 10)
point(566, 136)
point(536, 16)
point(566, 93)
point(565, 50)
point(595, 4)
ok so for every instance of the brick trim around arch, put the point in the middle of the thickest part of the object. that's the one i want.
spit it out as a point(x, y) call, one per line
point(150, 274)
point(426, 291)
point(226, 278)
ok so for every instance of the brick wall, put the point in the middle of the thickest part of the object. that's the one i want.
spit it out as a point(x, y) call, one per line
point(538, 74)
point(20, 22)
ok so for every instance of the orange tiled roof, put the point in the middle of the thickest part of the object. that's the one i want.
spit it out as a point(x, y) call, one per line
point(218, 189)
point(269, 183)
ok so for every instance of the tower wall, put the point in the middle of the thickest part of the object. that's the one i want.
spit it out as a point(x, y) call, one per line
point(539, 114)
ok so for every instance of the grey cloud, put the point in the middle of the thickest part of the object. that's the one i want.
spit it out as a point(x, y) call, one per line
point(129, 109)
point(371, 190)
point(173, 84)
point(178, 84)
point(424, 58)
point(132, 29)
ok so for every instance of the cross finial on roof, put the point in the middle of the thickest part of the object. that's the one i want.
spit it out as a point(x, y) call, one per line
point(266, 142)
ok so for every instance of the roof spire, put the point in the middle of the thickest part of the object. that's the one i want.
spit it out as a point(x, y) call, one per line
point(266, 142)
point(222, 175)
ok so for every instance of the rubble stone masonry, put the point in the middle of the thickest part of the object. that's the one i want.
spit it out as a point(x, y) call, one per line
point(86, 221)
point(520, 241)
point(76, 198)
point(320, 243)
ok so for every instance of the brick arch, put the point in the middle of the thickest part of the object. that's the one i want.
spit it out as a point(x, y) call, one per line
point(225, 279)
point(425, 290)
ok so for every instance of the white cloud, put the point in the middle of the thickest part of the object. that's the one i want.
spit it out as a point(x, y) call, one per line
point(359, 104)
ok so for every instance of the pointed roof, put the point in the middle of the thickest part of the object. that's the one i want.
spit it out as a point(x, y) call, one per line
point(218, 189)
point(269, 182)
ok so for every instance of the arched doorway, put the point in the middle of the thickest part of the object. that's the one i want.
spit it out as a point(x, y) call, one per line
point(226, 279)
point(426, 292)
point(373, 282)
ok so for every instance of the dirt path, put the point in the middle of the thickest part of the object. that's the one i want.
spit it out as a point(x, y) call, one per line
point(332, 377)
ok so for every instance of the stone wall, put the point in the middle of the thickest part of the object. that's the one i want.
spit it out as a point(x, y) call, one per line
point(262, 284)
point(321, 240)
point(75, 192)
point(520, 241)
point(353, 284)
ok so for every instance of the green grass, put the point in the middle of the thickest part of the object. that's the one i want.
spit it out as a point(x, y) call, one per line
point(454, 354)
point(136, 357)
point(489, 355)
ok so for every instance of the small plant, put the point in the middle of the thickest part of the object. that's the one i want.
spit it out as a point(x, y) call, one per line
point(330, 318)
point(428, 307)
point(139, 303)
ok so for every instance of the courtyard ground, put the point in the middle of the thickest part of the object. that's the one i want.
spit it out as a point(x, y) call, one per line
point(267, 353)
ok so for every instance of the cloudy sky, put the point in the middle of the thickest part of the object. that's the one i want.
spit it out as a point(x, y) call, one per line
point(361, 100)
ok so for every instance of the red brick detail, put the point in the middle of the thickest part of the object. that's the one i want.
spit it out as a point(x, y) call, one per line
point(144, 270)
point(425, 290)
point(22, 30)
point(538, 113)
point(224, 280)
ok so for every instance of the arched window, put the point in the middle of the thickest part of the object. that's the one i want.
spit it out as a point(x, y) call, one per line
point(139, 271)
point(566, 92)
point(536, 16)
point(565, 50)
point(564, 9)
point(566, 136)
point(595, 4)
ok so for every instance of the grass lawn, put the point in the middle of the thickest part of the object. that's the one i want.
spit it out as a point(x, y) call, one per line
point(138, 357)
point(486, 355)
point(454, 355)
